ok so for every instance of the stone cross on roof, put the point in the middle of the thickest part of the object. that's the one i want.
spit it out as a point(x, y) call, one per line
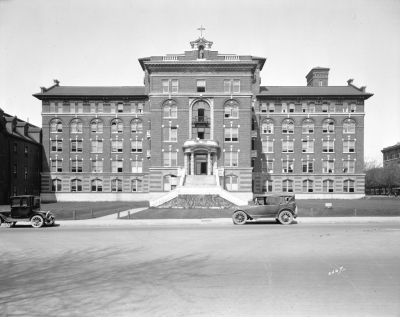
point(201, 29)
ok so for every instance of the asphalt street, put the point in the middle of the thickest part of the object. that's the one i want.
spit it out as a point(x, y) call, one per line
point(260, 269)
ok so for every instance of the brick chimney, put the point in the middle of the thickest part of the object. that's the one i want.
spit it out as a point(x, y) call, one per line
point(318, 76)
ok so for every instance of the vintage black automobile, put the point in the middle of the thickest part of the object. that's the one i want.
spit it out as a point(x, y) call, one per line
point(26, 208)
point(281, 207)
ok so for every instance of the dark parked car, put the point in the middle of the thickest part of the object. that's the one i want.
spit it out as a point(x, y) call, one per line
point(281, 207)
point(26, 208)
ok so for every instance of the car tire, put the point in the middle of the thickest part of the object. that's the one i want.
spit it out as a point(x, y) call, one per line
point(50, 222)
point(239, 217)
point(37, 221)
point(285, 217)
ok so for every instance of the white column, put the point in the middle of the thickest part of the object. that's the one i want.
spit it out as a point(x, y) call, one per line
point(208, 163)
point(192, 163)
point(185, 161)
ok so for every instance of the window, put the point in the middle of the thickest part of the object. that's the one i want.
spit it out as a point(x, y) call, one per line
point(353, 107)
point(236, 86)
point(231, 182)
point(267, 127)
point(170, 182)
point(308, 126)
point(97, 166)
point(327, 186)
point(76, 166)
point(268, 166)
point(349, 166)
point(287, 146)
point(100, 107)
point(97, 146)
point(349, 126)
point(264, 108)
point(136, 166)
point(308, 186)
point(170, 134)
point(92, 107)
point(170, 111)
point(116, 146)
point(136, 126)
point(165, 85)
point(52, 107)
point(328, 126)
point(231, 111)
point(137, 146)
point(349, 146)
point(348, 186)
point(97, 185)
point(56, 185)
point(116, 185)
point(271, 107)
point(308, 166)
point(201, 85)
point(116, 166)
point(291, 107)
point(137, 185)
point(287, 186)
point(56, 126)
point(16, 191)
point(15, 170)
point(304, 107)
point(267, 186)
point(227, 86)
point(231, 158)
point(97, 126)
point(26, 172)
point(284, 107)
point(26, 151)
point(15, 148)
point(120, 107)
point(56, 145)
point(116, 126)
point(76, 146)
point(311, 108)
point(56, 166)
point(287, 166)
point(59, 107)
point(231, 134)
point(325, 107)
point(76, 126)
point(113, 109)
point(287, 126)
point(268, 146)
point(328, 146)
point(80, 107)
point(72, 108)
point(174, 85)
point(307, 146)
point(332, 108)
point(328, 166)
point(170, 158)
point(76, 185)
point(137, 108)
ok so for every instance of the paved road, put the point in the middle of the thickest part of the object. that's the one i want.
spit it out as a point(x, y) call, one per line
point(218, 270)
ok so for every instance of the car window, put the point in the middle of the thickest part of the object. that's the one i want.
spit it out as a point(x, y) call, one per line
point(24, 201)
point(15, 202)
point(273, 200)
point(36, 201)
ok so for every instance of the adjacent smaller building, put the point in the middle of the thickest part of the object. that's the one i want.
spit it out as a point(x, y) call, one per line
point(391, 154)
point(20, 157)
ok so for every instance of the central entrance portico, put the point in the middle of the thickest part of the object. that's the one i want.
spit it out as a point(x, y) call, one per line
point(200, 157)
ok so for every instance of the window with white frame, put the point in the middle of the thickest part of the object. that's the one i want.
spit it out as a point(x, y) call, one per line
point(349, 146)
point(231, 182)
point(201, 85)
point(76, 185)
point(136, 166)
point(328, 186)
point(92, 107)
point(328, 126)
point(271, 107)
point(284, 107)
point(308, 166)
point(231, 158)
point(100, 107)
point(231, 135)
point(136, 185)
point(353, 107)
point(267, 127)
point(97, 185)
point(328, 166)
point(165, 85)
point(268, 146)
point(308, 186)
point(287, 186)
point(174, 85)
point(137, 146)
point(170, 158)
point(56, 166)
point(170, 182)
point(116, 146)
point(116, 185)
point(328, 146)
point(117, 126)
point(96, 126)
point(267, 186)
point(170, 111)
point(76, 146)
point(332, 108)
point(56, 145)
point(236, 86)
point(80, 107)
point(170, 134)
point(116, 166)
point(349, 166)
point(268, 166)
point(231, 110)
point(72, 108)
point(76, 166)
point(97, 166)
point(59, 107)
point(291, 107)
point(288, 126)
point(97, 146)
point(56, 126)
point(325, 107)
point(264, 108)
point(120, 107)
point(287, 166)
point(227, 85)
point(56, 185)
point(348, 186)
point(311, 108)
point(287, 146)
point(113, 108)
point(308, 126)
point(349, 126)
point(307, 146)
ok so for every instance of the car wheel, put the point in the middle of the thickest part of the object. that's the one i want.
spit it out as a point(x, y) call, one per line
point(239, 217)
point(49, 222)
point(285, 217)
point(37, 221)
point(10, 224)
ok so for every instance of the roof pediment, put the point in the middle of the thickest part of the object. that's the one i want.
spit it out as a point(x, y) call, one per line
point(201, 41)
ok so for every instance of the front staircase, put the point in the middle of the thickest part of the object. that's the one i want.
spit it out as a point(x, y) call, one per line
point(200, 181)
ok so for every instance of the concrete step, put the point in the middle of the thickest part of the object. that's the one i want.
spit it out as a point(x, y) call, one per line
point(200, 180)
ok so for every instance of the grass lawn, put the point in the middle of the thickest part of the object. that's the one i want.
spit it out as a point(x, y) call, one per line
point(64, 211)
point(372, 207)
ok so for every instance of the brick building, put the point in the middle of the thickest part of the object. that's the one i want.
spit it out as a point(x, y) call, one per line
point(391, 154)
point(20, 157)
point(203, 118)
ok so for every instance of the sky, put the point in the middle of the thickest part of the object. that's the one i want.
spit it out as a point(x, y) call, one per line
point(99, 42)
